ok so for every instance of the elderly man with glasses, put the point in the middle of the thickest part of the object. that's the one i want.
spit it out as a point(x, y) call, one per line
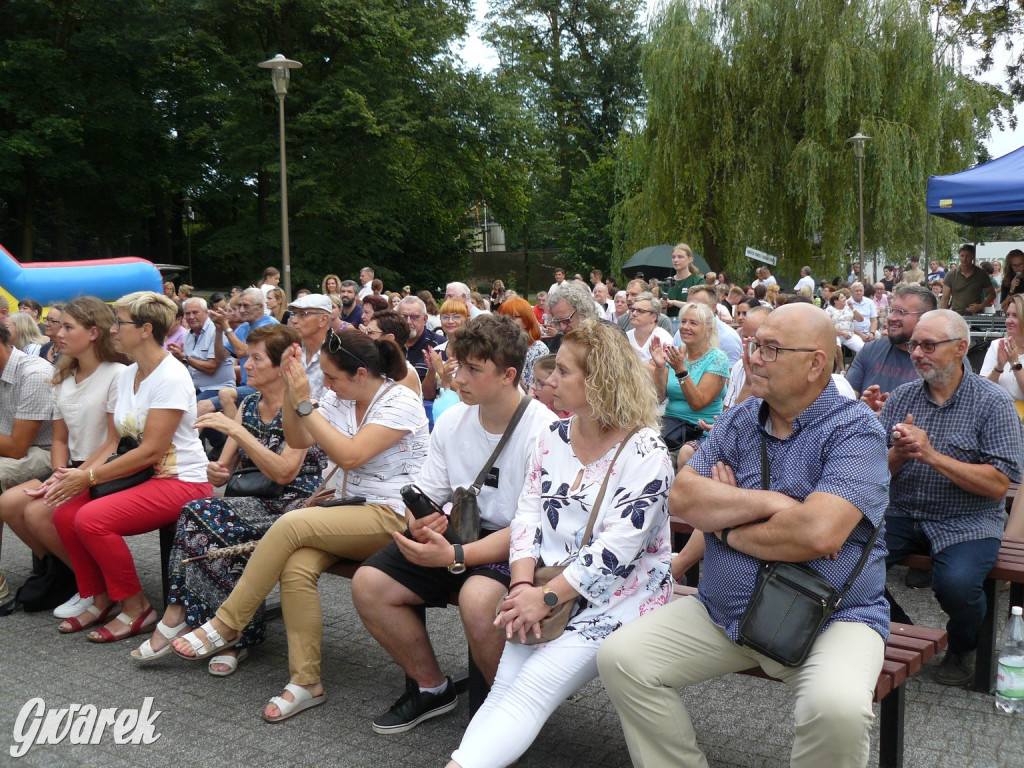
point(420, 338)
point(762, 489)
point(955, 445)
point(633, 289)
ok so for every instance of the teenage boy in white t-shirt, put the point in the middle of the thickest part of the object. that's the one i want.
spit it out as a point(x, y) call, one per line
point(426, 568)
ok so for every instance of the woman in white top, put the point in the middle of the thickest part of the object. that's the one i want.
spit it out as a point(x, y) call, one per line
point(644, 318)
point(619, 574)
point(85, 392)
point(1003, 363)
point(376, 431)
point(156, 406)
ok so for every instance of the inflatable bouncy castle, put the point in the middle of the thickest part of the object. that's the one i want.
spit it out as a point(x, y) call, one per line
point(50, 282)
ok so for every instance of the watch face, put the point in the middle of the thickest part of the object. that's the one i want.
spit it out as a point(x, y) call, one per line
point(304, 408)
point(550, 599)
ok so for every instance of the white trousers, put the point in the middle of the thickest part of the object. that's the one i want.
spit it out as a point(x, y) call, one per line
point(530, 684)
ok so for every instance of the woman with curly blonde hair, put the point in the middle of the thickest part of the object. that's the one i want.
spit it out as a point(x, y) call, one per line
point(620, 573)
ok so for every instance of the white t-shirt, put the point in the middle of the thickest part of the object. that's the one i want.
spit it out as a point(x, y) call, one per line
point(804, 282)
point(459, 446)
point(381, 478)
point(1007, 379)
point(645, 350)
point(169, 387)
point(84, 407)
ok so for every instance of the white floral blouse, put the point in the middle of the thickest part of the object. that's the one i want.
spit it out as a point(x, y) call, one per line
point(624, 572)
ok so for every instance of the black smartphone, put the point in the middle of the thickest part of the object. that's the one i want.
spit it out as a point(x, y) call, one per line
point(348, 501)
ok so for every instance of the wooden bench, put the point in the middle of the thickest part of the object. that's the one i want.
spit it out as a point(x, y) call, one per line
point(908, 649)
point(1009, 567)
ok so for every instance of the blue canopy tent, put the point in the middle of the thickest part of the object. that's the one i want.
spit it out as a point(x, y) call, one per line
point(989, 195)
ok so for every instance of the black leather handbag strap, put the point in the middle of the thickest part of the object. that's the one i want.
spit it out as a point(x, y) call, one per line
point(766, 482)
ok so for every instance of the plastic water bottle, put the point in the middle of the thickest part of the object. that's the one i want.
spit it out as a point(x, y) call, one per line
point(1010, 678)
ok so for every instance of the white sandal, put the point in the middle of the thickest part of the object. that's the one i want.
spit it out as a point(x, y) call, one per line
point(303, 700)
point(231, 662)
point(204, 649)
point(145, 653)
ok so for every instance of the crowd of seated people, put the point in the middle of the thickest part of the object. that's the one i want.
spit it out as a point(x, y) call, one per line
point(123, 419)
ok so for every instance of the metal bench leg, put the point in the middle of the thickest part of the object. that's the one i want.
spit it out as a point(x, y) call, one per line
point(890, 730)
point(166, 543)
point(984, 668)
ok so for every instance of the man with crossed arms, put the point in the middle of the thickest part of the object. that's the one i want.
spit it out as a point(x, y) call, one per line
point(828, 493)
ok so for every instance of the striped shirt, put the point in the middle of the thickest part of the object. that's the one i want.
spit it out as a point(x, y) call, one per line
point(977, 425)
point(381, 478)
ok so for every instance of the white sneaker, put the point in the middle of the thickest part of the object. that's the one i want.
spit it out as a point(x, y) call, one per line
point(76, 606)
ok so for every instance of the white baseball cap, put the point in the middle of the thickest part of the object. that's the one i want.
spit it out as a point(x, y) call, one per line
point(313, 301)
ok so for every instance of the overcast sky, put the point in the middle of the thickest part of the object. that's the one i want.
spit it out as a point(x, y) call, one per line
point(477, 53)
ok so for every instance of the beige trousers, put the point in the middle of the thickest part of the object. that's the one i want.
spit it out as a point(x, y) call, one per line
point(300, 546)
point(644, 663)
point(34, 466)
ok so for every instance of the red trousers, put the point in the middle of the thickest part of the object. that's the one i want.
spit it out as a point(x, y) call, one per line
point(93, 531)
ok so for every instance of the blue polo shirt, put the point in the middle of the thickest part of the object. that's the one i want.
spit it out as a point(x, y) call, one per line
point(837, 446)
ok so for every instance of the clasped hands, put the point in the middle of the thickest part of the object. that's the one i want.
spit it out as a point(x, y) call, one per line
point(65, 483)
point(911, 442)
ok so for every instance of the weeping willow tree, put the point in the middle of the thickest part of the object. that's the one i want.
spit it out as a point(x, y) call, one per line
point(749, 106)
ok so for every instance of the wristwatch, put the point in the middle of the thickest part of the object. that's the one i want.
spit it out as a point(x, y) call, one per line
point(1016, 366)
point(682, 374)
point(306, 407)
point(550, 598)
point(459, 566)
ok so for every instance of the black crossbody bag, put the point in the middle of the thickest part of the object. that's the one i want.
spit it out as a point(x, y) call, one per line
point(792, 602)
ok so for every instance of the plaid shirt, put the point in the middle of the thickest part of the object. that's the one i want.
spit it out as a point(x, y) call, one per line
point(836, 447)
point(977, 425)
point(26, 394)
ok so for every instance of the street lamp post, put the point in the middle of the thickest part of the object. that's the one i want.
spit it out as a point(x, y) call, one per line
point(280, 72)
point(189, 216)
point(858, 142)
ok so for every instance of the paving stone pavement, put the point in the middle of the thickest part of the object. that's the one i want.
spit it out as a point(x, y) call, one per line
point(741, 722)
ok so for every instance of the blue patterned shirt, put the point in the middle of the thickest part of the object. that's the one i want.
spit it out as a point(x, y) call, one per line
point(837, 446)
point(977, 425)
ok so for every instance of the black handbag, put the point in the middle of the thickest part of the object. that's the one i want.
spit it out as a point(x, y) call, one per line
point(792, 602)
point(127, 443)
point(465, 513)
point(250, 481)
point(675, 432)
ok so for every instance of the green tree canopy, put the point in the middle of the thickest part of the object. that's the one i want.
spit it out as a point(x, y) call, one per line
point(749, 107)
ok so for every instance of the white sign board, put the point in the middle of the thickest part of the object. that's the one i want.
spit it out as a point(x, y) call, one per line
point(764, 258)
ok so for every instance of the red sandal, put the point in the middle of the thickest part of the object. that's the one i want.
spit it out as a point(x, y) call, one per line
point(99, 615)
point(143, 623)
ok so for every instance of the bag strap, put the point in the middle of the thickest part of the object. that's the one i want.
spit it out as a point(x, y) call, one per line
point(765, 482)
point(524, 403)
point(604, 487)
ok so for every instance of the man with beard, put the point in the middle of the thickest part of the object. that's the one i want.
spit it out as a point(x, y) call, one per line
point(955, 443)
point(884, 364)
point(351, 310)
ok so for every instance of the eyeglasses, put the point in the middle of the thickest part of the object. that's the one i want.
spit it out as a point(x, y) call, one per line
point(119, 322)
point(334, 346)
point(565, 320)
point(371, 332)
point(928, 347)
point(51, 321)
point(638, 311)
point(770, 352)
point(243, 305)
point(538, 385)
point(449, 318)
point(412, 318)
point(301, 313)
point(894, 312)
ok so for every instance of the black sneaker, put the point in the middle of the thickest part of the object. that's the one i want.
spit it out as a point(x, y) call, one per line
point(413, 707)
point(918, 578)
point(956, 669)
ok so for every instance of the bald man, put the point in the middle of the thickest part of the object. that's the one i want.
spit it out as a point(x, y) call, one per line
point(826, 497)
